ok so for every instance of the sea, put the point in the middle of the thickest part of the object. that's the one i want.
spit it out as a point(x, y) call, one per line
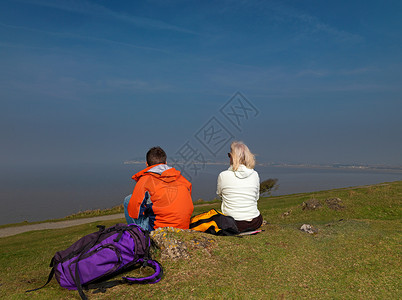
point(33, 193)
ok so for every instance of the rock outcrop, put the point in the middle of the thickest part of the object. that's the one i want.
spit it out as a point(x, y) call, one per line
point(174, 243)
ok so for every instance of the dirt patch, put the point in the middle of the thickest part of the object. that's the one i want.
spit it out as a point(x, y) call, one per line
point(335, 203)
point(311, 204)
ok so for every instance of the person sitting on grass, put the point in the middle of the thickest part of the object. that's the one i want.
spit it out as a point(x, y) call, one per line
point(161, 196)
point(239, 188)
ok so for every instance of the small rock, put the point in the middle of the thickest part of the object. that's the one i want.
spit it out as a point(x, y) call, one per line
point(286, 214)
point(335, 203)
point(309, 229)
point(311, 204)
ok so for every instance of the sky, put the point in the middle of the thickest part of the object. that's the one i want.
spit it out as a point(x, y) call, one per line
point(103, 81)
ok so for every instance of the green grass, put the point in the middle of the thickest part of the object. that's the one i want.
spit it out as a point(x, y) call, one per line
point(355, 255)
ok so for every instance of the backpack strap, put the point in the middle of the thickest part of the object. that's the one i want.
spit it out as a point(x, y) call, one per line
point(48, 279)
point(154, 278)
point(76, 278)
point(102, 286)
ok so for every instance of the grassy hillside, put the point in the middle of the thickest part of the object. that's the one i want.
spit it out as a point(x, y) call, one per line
point(355, 255)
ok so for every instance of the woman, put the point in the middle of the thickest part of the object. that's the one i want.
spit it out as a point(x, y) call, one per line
point(239, 188)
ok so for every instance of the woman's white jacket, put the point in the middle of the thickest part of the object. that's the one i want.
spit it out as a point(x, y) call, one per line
point(239, 191)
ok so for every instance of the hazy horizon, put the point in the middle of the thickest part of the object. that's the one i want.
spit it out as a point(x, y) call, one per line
point(37, 194)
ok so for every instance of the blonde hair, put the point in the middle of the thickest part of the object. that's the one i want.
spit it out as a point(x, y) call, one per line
point(241, 155)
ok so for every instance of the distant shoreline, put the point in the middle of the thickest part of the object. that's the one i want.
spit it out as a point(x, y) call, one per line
point(358, 167)
point(70, 190)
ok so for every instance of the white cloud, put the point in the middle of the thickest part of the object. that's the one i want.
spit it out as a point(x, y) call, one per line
point(305, 23)
point(89, 8)
point(73, 36)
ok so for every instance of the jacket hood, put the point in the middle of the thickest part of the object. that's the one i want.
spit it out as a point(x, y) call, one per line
point(242, 171)
point(160, 171)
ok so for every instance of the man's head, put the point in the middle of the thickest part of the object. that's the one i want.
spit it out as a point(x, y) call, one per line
point(156, 155)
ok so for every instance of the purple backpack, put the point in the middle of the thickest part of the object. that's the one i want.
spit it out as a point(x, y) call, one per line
point(98, 256)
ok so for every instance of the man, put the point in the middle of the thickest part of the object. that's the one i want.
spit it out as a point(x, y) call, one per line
point(161, 197)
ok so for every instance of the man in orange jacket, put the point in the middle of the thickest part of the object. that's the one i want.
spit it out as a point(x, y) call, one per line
point(161, 197)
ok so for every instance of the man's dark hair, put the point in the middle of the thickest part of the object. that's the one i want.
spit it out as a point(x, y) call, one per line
point(156, 155)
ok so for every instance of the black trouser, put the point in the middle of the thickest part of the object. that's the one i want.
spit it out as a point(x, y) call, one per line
point(254, 224)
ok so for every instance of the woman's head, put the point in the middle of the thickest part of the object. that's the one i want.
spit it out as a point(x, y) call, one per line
point(241, 155)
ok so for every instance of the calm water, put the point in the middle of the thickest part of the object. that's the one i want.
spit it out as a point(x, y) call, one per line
point(35, 194)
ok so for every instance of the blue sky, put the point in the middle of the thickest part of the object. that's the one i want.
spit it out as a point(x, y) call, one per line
point(102, 81)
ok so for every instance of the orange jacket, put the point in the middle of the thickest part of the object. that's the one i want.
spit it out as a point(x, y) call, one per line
point(164, 195)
